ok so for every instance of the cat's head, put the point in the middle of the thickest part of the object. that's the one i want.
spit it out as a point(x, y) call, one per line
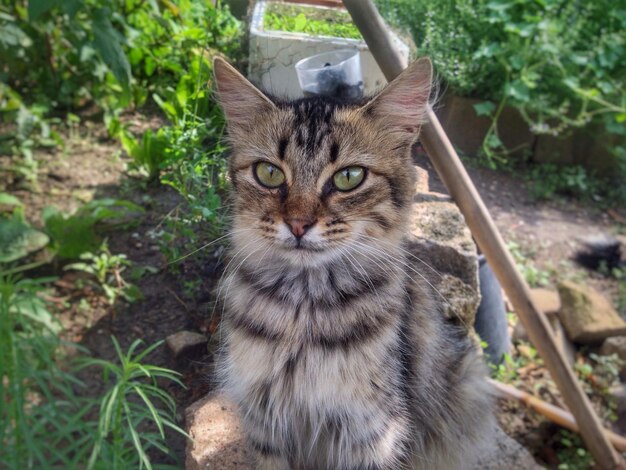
point(314, 177)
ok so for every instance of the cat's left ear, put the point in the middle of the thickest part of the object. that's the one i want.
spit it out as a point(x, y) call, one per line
point(240, 99)
point(402, 106)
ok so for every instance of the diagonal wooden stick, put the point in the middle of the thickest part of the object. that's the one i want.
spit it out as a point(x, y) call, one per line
point(553, 413)
point(455, 177)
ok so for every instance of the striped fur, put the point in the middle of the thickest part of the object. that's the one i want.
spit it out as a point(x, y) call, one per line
point(332, 345)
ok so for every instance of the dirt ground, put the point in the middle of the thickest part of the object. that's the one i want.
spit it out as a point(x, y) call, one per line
point(180, 296)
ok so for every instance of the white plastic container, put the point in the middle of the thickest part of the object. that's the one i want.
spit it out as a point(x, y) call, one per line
point(336, 73)
point(273, 55)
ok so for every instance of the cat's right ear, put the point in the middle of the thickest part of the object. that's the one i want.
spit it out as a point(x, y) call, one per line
point(239, 98)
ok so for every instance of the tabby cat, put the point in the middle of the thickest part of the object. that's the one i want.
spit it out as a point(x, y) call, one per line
point(333, 347)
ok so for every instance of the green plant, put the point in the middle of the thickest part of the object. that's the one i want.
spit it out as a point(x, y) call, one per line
point(44, 423)
point(534, 276)
point(148, 153)
point(507, 370)
point(73, 235)
point(41, 420)
point(561, 63)
point(114, 54)
point(132, 406)
point(572, 453)
point(107, 269)
point(308, 20)
point(17, 238)
point(547, 180)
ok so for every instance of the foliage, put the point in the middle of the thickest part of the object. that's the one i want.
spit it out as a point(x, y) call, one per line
point(60, 60)
point(534, 276)
point(547, 180)
point(561, 63)
point(133, 400)
point(308, 20)
point(572, 454)
point(508, 370)
point(40, 418)
point(44, 423)
point(115, 55)
point(73, 235)
point(17, 237)
point(107, 269)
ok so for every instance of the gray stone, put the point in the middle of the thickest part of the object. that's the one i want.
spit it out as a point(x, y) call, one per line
point(618, 393)
point(218, 443)
point(185, 342)
point(546, 300)
point(587, 316)
point(444, 254)
point(504, 453)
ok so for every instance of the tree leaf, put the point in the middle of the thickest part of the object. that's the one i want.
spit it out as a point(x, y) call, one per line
point(36, 8)
point(485, 108)
point(18, 239)
point(9, 200)
point(107, 43)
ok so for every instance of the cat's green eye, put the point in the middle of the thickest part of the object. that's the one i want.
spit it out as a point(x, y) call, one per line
point(269, 175)
point(349, 178)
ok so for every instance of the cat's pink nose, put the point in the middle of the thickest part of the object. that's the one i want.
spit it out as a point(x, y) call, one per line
point(299, 226)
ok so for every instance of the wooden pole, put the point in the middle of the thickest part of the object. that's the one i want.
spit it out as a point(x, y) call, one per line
point(553, 413)
point(455, 177)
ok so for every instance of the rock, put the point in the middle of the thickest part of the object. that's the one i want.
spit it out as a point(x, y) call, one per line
point(587, 316)
point(519, 332)
point(505, 453)
point(616, 345)
point(185, 343)
point(618, 394)
point(445, 254)
point(546, 300)
point(216, 441)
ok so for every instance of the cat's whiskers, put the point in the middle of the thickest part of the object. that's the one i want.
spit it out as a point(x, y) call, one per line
point(406, 252)
point(393, 245)
point(206, 245)
point(226, 272)
point(382, 266)
point(411, 268)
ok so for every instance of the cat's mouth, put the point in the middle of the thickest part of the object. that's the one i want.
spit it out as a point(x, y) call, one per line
point(302, 246)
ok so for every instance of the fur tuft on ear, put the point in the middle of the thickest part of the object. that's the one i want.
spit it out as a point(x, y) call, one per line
point(403, 104)
point(239, 98)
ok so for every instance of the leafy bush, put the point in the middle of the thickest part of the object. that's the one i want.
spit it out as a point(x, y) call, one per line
point(34, 424)
point(17, 237)
point(561, 63)
point(44, 423)
point(115, 55)
point(73, 235)
point(547, 180)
